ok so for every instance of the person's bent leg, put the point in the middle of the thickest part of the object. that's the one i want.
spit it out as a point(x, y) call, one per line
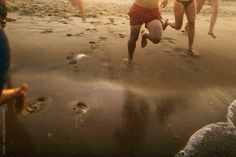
point(134, 34)
point(155, 31)
point(191, 17)
point(215, 9)
point(179, 14)
point(199, 5)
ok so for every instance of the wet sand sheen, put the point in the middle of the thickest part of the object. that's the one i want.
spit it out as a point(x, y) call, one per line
point(97, 106)
point(119, 120)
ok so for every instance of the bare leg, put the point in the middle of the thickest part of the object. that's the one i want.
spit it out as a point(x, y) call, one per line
point(154, 33)
point(215, 9)
point(199, 5)
point(179, 14)
point(191, 17)
point(80, 5)
point(17, 94)
point(134, 34)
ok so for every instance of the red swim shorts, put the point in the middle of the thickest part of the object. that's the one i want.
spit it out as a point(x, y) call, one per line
point(139, 15)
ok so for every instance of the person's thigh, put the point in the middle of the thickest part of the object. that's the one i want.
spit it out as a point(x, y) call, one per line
point(199, 4)
point(155, 29)
point(214, 5)
point(191, 13)
point(179, 13)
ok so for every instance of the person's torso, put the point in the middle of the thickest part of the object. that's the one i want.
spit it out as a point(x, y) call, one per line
point(149, 4)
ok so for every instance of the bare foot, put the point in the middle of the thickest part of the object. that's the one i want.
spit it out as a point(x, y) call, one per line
point(193, 53)
point(144, 39)
point(212, 34)
point(129, 63)
point(165, 24)
point(20, 97)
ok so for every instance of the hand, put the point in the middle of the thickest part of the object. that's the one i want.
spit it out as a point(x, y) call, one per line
point(164, 3)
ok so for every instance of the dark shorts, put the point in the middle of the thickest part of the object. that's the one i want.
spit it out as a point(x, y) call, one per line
point(139, 15)
point(4, 58)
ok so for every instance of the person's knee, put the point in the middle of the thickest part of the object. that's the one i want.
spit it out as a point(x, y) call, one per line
point(178, 27)
point(156, 40)
point(215, 12)
point(191, 24)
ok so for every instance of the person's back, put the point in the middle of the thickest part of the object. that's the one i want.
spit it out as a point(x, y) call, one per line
point(147, 3)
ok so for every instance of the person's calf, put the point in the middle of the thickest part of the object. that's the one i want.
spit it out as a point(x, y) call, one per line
point(191, 25)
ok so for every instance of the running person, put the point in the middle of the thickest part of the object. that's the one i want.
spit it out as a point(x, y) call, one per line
point(144, 12)
point(189, 8)
point(215, 9)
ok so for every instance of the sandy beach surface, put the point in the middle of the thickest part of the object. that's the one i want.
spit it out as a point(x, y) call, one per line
point(90, 103)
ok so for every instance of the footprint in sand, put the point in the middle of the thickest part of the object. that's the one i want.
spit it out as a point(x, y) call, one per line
point(169, 40)
point(73, 58)
point(72, 35)
point(91, 29)
point(103, 38)
point(111, 20)
point(47, 31)
point(121, 35)
point(79, 107)
point(69, 35)
point(35, 105)
point(96, 22)
point(93, 45)
point(79, 34)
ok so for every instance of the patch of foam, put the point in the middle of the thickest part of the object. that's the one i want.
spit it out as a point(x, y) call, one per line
point(81, 56)
point(231, 115)
point(213, 137)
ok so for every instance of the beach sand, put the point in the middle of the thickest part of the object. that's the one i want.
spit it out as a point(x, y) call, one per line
point(150, 110)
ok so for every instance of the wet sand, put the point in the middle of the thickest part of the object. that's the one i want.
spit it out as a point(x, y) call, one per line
point(151, 110)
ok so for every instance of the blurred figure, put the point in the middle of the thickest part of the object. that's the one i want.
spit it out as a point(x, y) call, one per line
point(182, 7)
point(215, 8)
point(6, 95)
point(80, 5)
point(144, 12)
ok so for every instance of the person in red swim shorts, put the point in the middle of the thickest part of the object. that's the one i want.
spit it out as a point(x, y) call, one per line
point(144, 12)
